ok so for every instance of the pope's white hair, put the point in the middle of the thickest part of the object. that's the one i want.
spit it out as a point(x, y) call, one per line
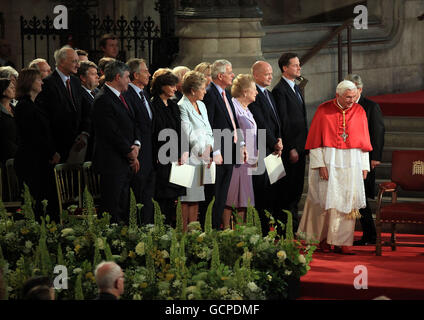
point(345, 85)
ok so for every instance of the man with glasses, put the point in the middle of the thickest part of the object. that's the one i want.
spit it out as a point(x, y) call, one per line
point(61, 100)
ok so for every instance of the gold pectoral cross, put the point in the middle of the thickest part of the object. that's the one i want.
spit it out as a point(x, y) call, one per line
point(344, 135)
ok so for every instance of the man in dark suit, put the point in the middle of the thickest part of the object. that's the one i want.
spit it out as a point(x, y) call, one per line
point(143, 183)
point(61, 99)
point(265, 113)
point(116, 143)
point(376, 129)
point(292, 112)
point(110, 281)
point(89, 78)
point(222, 116)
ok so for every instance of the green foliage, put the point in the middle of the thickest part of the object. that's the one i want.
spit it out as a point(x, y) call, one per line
point(159, 229)
point(133, 213)
point(60, 260)
point(27, 205)
point(257, 221)
point(208, 218)
point(179, 224)
point(159, 262)
point(289, 227)
point(78, 288)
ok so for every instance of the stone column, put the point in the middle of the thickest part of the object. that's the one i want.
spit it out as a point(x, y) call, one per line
point(219, 29)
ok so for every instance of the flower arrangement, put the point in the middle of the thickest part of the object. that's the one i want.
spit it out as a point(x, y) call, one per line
point(159, 262)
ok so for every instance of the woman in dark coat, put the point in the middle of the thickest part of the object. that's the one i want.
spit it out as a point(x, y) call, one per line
point(35, 157)
point(166, 116)
point(8, 132)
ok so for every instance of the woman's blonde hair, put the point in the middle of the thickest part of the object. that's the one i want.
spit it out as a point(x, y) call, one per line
point(192, 80)
point(241, 83)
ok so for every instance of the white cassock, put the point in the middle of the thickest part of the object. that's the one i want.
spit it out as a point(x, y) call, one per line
point(329, 204)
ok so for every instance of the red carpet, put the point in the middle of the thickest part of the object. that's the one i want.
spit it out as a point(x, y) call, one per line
point(397, 275)
point(409, 104)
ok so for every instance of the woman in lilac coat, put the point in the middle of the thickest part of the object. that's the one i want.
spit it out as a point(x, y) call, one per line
point(240, 193)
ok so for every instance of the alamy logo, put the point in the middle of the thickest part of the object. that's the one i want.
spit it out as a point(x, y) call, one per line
point(61, 20)
point(361, 20)
point(361, 280)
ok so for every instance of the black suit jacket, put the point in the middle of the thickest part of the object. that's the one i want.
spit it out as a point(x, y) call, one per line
point(292, 115)
point(376, 129)
point(266, 119)
point(220, 119)
point(145, 125)
point(65, 115)
point(115, 132)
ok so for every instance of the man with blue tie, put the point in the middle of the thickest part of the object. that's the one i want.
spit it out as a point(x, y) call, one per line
point(292, 112)
point(143, 183)
point(265, 113)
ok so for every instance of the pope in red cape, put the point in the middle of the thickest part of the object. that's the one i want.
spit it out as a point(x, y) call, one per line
point(339, 143)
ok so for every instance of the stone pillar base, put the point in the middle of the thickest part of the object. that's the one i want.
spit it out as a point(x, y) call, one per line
point(235, 39)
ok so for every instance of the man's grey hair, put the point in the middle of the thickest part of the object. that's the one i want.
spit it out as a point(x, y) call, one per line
point(219, 66)
point(356, 79)
point(60, 54)
point(344, 86)
point(107, 279)
point(113, 68)
point(84, 66)
point(180, 71)
point(34, 63)
point(7, 72)
point(134, 65)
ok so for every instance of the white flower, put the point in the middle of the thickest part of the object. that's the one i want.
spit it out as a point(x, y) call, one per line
point(254, 239)
point(165, 237)
point(77, 270)
point(9, 236)
point(28, 244)
point(223, 291)
point(140, 249)
point(100, 244)
point(165, 254)
point(67, 231)
point(281, 255)
point(269, 277)
point(252, 286)
point(247, 255)
point(176, 283)
point(302, 259)
point(288, 272)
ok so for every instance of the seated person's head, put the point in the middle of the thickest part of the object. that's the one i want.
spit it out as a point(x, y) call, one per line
point(38, 288)
point(110, 278)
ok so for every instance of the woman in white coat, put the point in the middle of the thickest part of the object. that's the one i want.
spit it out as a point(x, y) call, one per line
point(197, 130)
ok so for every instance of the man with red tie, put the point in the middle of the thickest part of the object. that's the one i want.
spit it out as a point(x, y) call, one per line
point(61, 100)
point(117, 142)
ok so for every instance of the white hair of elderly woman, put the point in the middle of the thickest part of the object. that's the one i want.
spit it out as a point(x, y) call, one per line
point(344, 86)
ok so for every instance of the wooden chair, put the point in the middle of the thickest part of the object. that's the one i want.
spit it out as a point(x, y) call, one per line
point(68, 185)
point(91, 180)
point(408, 174)
point(13, 193)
